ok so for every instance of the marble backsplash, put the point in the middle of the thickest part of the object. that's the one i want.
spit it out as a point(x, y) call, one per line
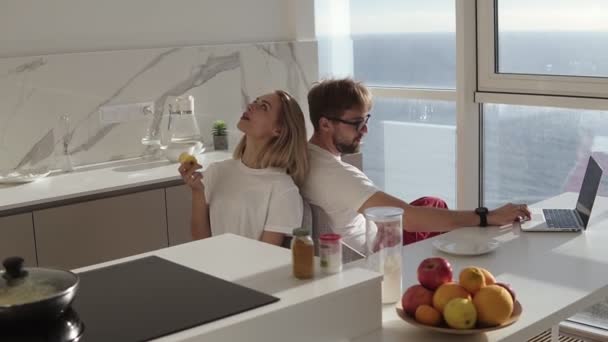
point(36, 91)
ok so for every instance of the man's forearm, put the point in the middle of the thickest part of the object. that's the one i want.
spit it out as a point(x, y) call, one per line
point(200, 227)
point(425, 219)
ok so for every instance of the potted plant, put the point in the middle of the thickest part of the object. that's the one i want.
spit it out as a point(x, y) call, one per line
point(220, 135)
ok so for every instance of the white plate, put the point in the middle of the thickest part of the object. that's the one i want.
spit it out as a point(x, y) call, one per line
point(23, 176)
point(466, 247)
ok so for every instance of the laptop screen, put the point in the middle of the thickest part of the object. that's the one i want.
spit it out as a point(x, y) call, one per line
point(586, 197)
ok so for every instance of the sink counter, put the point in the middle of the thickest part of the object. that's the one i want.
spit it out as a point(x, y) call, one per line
point(90, 182)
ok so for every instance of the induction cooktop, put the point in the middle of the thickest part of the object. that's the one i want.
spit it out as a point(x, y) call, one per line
point(152, 297)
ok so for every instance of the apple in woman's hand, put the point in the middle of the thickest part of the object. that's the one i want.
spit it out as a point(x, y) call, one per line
point(433, 272)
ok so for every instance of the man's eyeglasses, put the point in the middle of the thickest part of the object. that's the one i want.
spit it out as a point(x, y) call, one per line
point(358, 124)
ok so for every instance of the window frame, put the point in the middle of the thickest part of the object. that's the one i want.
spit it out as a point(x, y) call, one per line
point(589, 93)
point(478, 83)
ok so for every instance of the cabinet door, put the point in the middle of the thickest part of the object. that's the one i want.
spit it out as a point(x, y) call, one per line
point(17, 238)
point(179, 212)
point(91, 232)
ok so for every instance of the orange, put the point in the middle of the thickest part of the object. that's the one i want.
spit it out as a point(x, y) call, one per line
point(446, 292)
point(494, 305)
point(489, 277)
point(472, 279)
point(428, 315)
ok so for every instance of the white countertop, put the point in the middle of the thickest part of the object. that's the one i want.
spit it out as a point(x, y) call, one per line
point(95, 180)
point(554, 275)
point(268, 269)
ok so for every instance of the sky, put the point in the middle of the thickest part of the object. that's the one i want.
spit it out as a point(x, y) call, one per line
point(392, 16)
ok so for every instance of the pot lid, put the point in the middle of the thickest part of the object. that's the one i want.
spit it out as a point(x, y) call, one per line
point(19, 285)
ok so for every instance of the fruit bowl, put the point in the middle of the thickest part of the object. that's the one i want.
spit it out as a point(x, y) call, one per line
point(517, 309)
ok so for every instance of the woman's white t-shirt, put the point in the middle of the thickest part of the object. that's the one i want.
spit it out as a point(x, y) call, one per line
point(247, 201)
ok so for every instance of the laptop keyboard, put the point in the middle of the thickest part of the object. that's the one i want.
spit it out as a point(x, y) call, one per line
point(560, 218)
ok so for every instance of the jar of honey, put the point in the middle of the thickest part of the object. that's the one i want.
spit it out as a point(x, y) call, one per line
point(303, 252)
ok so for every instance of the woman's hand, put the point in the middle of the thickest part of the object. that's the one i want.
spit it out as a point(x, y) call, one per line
point(191, 177)
point(508, 213)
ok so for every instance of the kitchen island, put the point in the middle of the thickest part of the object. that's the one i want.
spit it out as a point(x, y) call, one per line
point(554, 274)
point(334, 307)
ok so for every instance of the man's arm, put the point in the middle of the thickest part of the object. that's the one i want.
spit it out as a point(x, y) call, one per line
point(425, 219)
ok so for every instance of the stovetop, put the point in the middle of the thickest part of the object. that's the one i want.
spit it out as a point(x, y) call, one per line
point(146, 299)
point(67, 328)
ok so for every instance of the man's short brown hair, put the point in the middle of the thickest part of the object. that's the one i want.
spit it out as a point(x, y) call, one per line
point(330, 98)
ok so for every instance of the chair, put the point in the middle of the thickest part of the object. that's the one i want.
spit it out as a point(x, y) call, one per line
point(320, 225)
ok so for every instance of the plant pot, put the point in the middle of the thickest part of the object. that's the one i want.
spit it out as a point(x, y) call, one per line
point(220, 142)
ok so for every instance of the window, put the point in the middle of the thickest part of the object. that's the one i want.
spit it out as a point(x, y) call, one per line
point(399, 43)
point(405, 52)
point(533, 153)
point(543, 47)
point(553, 38)
point(410, 149)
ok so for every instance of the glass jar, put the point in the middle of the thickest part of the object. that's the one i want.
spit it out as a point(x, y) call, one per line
point(183, 134)
point(383, 241)
point(303, 252)
point(330, 252)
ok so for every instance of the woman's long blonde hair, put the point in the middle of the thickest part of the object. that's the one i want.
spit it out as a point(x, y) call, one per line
point(288, 150)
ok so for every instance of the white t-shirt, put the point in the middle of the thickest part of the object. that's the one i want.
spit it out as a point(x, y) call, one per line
point(247, 201)
point(339, 189)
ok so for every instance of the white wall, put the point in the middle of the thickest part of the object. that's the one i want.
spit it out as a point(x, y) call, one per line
point(36, 27)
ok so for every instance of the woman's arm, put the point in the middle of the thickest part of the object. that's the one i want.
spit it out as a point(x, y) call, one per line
point(273, 238)
point(200, 227)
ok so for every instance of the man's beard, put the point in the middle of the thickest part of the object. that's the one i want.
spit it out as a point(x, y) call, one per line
point(344, 148)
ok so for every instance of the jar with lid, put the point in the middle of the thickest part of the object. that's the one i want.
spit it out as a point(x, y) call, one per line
point(330, 252)
point(384, 236)
point(302, 251)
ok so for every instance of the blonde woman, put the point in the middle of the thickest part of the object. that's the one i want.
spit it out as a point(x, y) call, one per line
point(255, 194)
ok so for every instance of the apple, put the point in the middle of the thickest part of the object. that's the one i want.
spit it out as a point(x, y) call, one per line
point(415, 296)
point(508, 288)
point(434, 272)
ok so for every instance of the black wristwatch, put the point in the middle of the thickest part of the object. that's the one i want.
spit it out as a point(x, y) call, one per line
point(483, 216)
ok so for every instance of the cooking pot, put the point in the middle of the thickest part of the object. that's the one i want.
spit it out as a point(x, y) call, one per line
point(34, 293)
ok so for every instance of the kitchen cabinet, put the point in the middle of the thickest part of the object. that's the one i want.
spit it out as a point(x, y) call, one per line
point(87, 233)
point(17, 238)
point(179, 212)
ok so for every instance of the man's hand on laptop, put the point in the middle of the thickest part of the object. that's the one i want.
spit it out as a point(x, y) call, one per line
point(508, 213)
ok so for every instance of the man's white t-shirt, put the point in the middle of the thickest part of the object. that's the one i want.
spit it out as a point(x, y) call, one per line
point(247, 201)
point(339, 189)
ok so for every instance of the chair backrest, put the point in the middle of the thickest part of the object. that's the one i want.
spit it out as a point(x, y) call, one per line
point(307, 220)
point(320, 225)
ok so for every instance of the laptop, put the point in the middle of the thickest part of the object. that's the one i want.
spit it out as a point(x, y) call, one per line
point(568, 220)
